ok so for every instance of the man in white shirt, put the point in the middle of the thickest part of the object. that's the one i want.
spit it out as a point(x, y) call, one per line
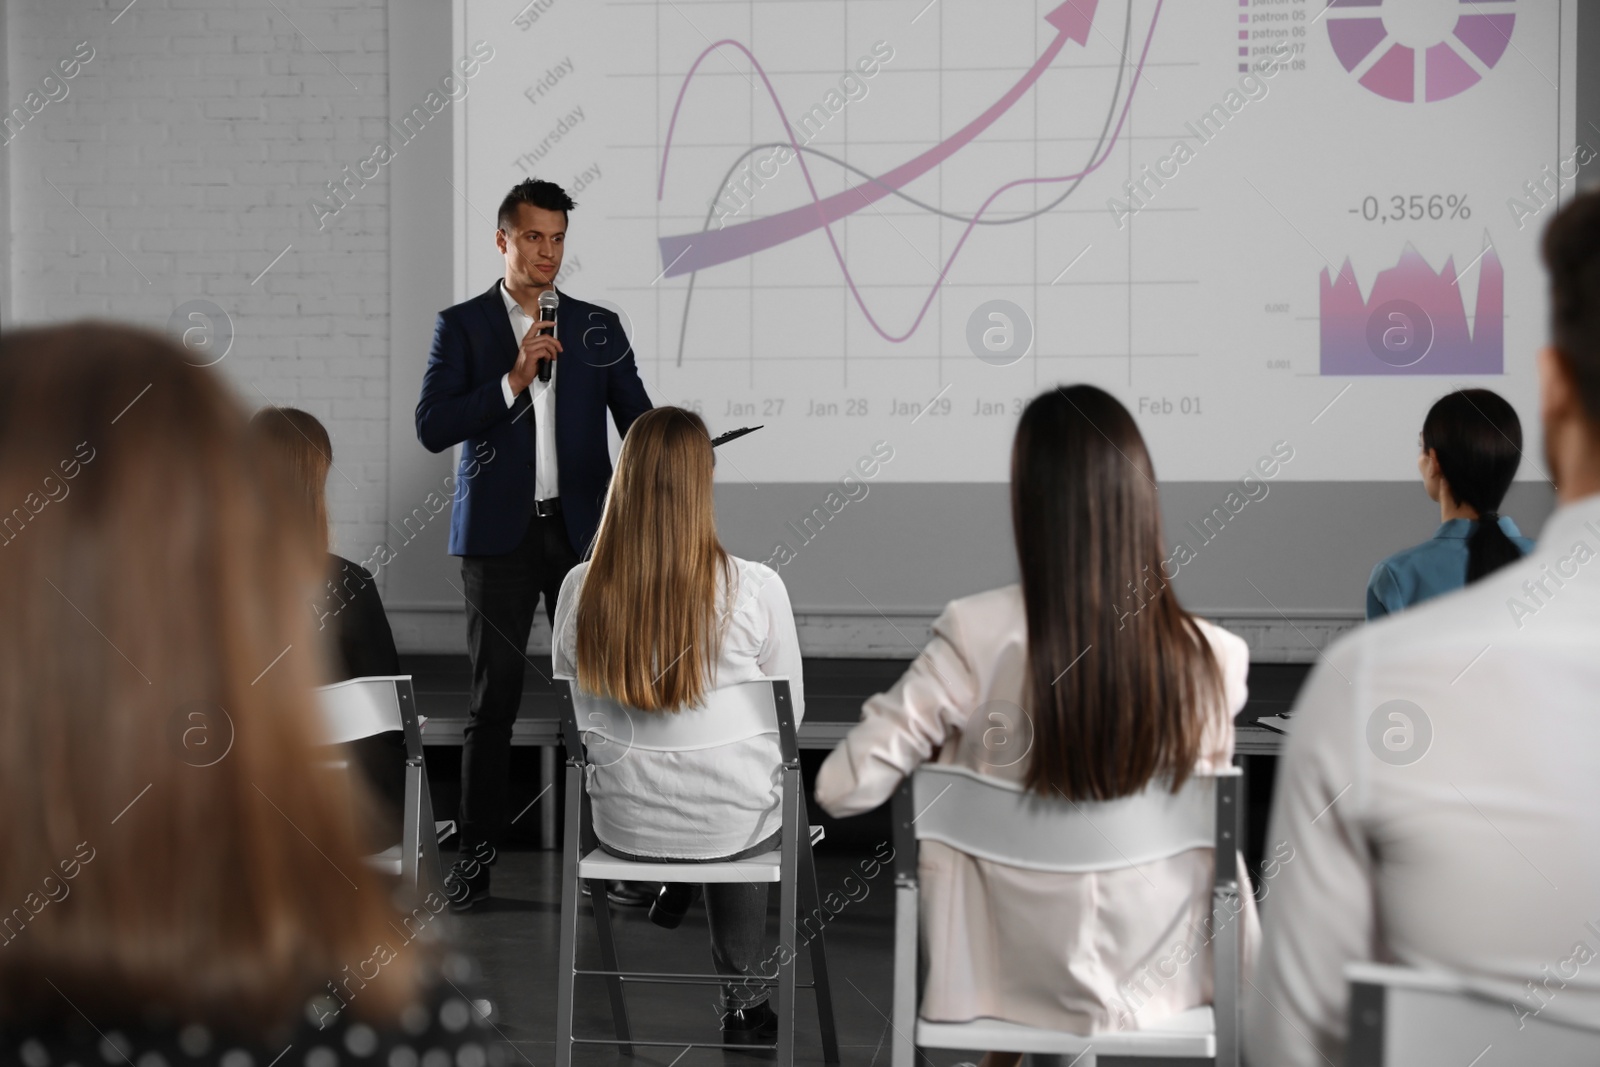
point(535, 465)
point(1440, 791)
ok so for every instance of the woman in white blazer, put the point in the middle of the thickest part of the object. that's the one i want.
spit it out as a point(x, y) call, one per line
point(1121, 686)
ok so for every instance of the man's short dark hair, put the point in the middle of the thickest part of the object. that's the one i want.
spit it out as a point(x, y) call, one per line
point(541, 194)
point(1571, 251)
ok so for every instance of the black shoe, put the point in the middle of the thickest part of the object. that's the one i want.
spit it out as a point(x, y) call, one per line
point(750, 1026)
point(671, 904)
point(625, 894)
point(468, 880)
point(630, 894)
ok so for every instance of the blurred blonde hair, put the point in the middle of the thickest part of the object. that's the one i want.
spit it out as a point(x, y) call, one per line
point(155, 598)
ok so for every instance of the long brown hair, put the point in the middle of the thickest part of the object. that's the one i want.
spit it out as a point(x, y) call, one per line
point(1119, 675)
point(300, 443)
point(648, 626)
point(158, 764)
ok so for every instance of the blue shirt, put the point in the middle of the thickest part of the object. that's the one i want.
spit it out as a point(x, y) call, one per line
point(1435, 567)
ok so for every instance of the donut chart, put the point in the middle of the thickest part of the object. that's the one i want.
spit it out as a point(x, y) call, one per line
point(1358, 32)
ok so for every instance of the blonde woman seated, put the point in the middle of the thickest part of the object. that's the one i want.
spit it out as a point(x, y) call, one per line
point(1121, 688)
point(657, 617)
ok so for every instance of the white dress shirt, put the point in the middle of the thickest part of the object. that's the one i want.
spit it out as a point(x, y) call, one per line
point(1459, 831)
point(1087, 953)
point(543, 395)
point(705, 803)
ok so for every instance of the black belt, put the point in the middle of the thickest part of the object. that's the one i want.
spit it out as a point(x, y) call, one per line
point(544, 509)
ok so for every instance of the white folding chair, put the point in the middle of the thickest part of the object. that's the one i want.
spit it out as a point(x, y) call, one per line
point(1399, 1015)
point(611, 731)
point(998, 821)
point(362, 707)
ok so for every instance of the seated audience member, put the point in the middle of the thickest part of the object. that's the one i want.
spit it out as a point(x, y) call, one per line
point(1115, 689)
point(1438, 790)
point(348, 609)
point(184, 881)
point(355, 634)
point(1471, 445)
point(657, 617)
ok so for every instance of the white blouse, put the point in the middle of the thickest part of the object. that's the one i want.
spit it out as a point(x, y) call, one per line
point(706, 803)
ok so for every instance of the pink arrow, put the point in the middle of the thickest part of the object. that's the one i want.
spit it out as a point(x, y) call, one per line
point(689, 252)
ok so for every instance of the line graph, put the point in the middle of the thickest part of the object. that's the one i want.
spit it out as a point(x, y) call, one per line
point(976, 219)
point(1072, 21)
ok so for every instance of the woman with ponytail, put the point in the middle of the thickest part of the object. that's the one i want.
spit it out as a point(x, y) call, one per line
point(1471, 445)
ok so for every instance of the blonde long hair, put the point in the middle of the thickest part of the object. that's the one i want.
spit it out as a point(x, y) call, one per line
point(648, 626)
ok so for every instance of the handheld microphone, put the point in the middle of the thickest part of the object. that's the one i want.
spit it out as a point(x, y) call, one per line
point(548, 300)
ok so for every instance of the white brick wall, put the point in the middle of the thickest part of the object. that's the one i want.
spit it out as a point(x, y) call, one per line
point(194, 141)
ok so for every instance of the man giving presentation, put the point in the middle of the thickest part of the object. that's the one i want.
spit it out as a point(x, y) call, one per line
point(528, 397)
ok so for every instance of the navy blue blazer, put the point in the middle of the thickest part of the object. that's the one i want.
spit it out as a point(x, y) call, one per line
point(461, 401)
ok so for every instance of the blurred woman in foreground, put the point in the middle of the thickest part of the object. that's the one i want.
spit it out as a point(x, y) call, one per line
point(182, 879)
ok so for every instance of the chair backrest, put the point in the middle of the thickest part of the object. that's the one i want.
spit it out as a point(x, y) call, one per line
point(992, 819)
point(600, 730)
point(997, 820)
point(1400, 1015)
point(361, 707)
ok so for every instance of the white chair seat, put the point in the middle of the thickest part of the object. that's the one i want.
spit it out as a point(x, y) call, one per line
point(762, 868)
point(1190, 1034)
point(385, 862)
point(602, 864)
point(388, 861)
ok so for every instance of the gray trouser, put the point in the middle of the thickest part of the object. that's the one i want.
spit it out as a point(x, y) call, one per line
point(737, 915)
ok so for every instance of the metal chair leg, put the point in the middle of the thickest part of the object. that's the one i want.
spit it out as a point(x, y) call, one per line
point(547, 813)
point(608, 962)
point(810, 904)
point(903, 1050)
point(788, 910)
point(411, 829)
point(1227, 945)
point(568, 963)
point(431, 876)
